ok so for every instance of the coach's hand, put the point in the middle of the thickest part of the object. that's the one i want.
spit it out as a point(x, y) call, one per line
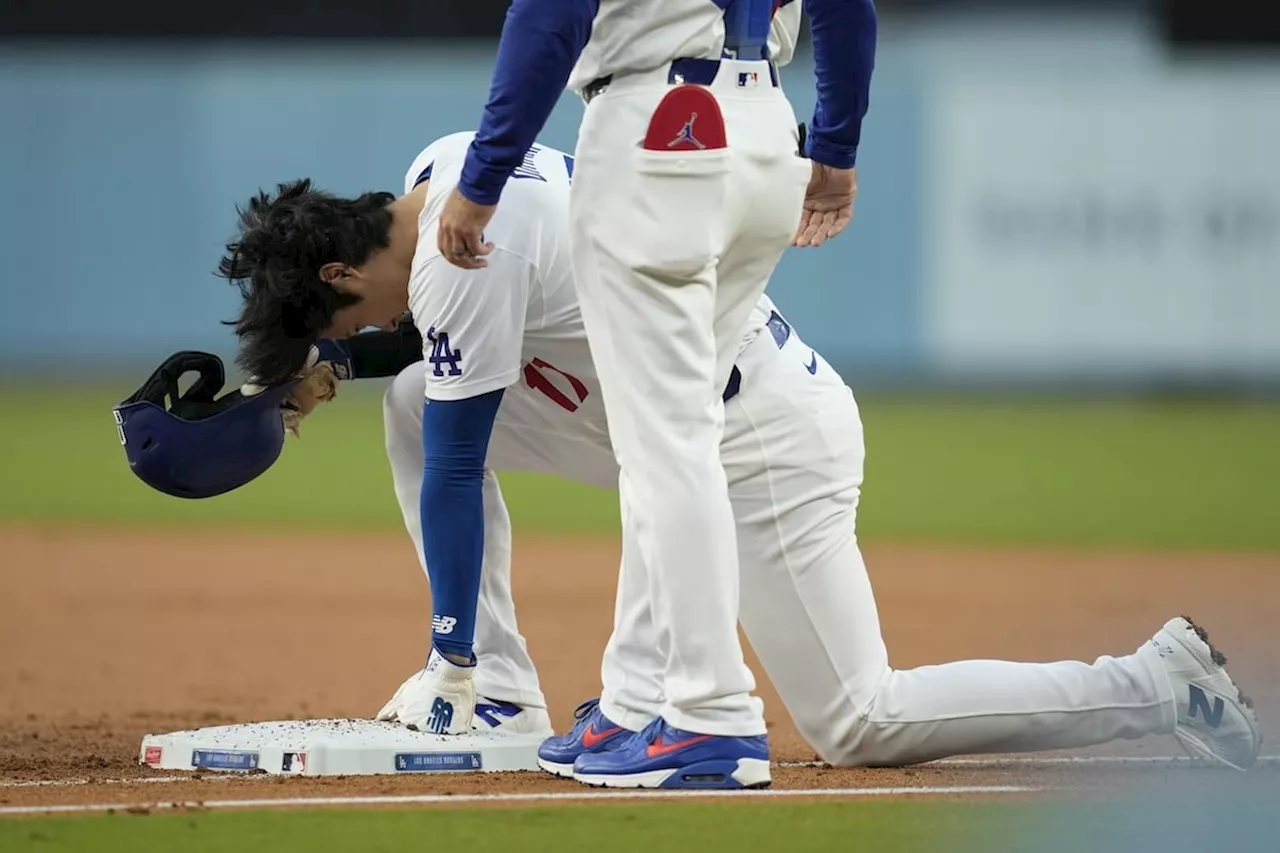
point(828, 204)
point(460, 235)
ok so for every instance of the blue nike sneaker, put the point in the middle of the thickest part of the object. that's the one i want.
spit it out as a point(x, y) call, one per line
point(665, 757)
point(593, 731)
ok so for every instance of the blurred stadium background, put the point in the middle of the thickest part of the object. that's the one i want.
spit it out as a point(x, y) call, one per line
point(1067, 209)
point(1059, 305)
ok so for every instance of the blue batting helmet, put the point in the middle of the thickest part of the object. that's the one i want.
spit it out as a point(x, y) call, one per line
point(198, 446)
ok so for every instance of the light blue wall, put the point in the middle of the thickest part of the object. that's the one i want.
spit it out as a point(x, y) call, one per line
point(120, 170)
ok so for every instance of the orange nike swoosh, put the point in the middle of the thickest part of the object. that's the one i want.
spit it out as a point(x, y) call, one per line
point(658, 748)
point(591, 737)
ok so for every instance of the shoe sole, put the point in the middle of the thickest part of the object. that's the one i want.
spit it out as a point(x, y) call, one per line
point(564, 771)
point(1190, 741)
point(722, 775)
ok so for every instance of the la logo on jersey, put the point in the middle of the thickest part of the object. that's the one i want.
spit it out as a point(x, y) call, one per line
point(443, 354)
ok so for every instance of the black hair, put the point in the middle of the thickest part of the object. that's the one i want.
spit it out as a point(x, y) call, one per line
point(275, 260)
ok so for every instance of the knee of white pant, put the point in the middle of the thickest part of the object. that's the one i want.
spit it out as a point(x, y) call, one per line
point(834, 740)
point(863, 747)
point(845, 732)
point(874, 742)
point(860, 742)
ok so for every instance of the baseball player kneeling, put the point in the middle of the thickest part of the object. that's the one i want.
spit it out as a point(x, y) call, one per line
point(494, 373)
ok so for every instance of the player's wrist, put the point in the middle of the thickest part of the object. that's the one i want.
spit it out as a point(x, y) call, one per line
point(830, 153)
point(483, 179)
point(455, 653)
point(338, 355)
point(484, 192)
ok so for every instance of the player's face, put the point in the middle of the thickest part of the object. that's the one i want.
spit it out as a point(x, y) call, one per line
point(381, 288)
point(350, 320)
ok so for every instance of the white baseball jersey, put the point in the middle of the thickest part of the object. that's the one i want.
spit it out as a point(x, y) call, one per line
point(785, 32)
point(517, 321)
point(639, 35)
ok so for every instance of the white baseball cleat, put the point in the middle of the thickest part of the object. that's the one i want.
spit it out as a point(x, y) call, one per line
point(440, 698)
point(493, 715)
point(1215, 720)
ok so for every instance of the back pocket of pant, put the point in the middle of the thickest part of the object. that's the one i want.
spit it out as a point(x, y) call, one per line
point(681, 221)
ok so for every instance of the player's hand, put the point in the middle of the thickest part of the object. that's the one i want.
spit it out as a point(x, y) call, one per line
point(460, 234)
point(440, 698)
point(828, 204)
point(327, 362)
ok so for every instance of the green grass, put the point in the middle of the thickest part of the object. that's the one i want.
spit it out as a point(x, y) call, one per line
point(616, 829)
point(777, 827)
point(1094, 473)
point(62, 461)
point(1153, 474)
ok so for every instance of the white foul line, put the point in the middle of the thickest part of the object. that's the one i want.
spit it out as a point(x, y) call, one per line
point(1012, 761)
point(434, 799)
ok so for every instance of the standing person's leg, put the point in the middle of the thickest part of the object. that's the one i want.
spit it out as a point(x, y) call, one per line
point(651, 230)
point(631, 671)
point(648, 228)
point(635, 658)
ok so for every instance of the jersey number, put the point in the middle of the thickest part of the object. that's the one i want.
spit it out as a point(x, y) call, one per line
point(539, 381)
point(442, 353)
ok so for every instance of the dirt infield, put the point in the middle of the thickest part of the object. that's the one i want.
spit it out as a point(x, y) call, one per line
point(106, 636)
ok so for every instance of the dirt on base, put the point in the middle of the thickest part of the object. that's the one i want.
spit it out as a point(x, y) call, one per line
point(108, 636)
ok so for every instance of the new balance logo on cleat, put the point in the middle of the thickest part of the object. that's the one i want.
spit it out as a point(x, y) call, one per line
point(441, 716)
point(1211, 713)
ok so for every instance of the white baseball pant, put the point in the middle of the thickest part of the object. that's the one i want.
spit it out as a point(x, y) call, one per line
point(793, 453)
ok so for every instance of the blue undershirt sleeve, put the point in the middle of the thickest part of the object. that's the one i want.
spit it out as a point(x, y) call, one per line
point(455, 441)
point(844, 53)
point(541, 41)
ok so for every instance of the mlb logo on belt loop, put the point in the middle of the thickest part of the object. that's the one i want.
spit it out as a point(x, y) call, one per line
point(748, 78)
